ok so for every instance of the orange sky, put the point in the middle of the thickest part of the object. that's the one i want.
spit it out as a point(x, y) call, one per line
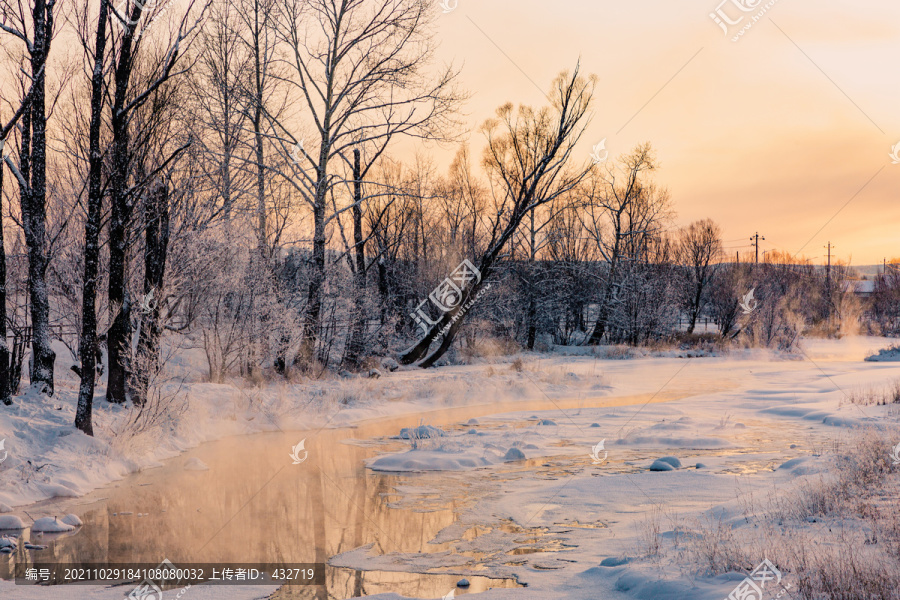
point(756, 134)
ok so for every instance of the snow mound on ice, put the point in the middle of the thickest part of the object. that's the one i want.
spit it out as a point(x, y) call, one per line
point(514, 454)
point(672, 461)
point(614, 561)
point(56, 490)
point(430, 460)
point(661, 465)
point(51, 525)
point(72, 520)
point(11, 522)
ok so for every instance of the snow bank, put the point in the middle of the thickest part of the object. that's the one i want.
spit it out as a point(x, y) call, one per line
point(891, 354)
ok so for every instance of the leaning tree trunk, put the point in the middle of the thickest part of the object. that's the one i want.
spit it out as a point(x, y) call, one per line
point(450, 322)
point(156, 245)
point(453, 321)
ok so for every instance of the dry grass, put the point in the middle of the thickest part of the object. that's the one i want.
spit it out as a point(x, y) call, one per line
point(873, 395)
point(834, 536)
point(483, 347)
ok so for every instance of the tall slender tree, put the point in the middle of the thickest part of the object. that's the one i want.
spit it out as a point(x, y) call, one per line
point(6, 383)
point(621, 212)
point(36, 31)
point(87, 348)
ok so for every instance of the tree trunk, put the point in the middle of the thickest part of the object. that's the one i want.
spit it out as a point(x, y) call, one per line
point(695, 309)
point(88, 343)
point(156, 246)
point(358, 327)
point(602, 319)
point(531, 320)
point(452, 320)
point(260, 185)
point(602, 322)
point(383, 289)
point(5, 381)
point(119, 304)
point(316, 281)
point(10, 363)
point(119, 336)
point(34, 209)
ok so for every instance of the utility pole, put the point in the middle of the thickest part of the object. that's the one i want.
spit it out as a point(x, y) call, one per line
point(755, 239)
point(828, 268)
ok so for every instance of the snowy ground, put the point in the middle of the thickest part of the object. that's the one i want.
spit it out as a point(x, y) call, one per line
point(751, 423)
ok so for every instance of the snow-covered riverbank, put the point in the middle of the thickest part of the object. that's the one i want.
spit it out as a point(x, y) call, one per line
point(750, 423)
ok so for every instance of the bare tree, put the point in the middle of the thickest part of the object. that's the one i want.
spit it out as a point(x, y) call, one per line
point(699, 247)
point(36, 31)
point(6, 384)
point(218, 82)
point(730, 283)
point(574, 254)
point(88, 340)
point(886, 298)
point(124, 188)
point(259, 38)
point(527, 156)
point(361, 70)
point(622, 211)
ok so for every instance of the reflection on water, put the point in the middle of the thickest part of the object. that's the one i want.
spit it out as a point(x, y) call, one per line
point(254, 505)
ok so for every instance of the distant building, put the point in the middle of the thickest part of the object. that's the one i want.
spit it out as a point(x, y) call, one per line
point(862, 288)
